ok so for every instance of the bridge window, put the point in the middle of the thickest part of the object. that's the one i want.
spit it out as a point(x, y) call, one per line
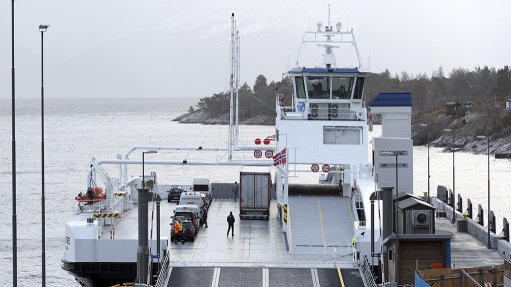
point(359, 88)
point(318, 87)
point(342, 87)
point(300, 88)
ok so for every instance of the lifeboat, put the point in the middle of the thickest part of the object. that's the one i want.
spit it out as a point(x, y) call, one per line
point(93, 194)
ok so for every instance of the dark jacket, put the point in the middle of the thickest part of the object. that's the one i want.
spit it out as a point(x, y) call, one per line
point(230, 219)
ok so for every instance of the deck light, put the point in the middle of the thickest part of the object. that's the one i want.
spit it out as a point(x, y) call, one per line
point(429, 175)
point(488, 153)
point(453, 177)
point(42, 29)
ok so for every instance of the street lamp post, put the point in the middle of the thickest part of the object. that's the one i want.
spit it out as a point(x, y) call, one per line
point(453, 178)
point(42, 29)
point(143, 248)
point(429, 176)
point(13, 159)
point(488, 154)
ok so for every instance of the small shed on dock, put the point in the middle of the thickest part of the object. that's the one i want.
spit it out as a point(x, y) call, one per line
point(415, 252)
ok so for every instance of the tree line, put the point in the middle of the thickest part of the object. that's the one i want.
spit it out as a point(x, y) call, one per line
point(484, 87)
point(255, 100)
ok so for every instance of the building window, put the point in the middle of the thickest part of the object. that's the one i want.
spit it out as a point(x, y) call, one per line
point(390, 255)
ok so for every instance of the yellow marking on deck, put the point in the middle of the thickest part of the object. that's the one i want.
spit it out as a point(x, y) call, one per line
point(107, 215)
point(340, 276)
point(290, 231)
point(322, 226)
point(120, 194)
point(285, 213)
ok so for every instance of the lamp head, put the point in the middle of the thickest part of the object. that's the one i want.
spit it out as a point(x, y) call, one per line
point(447, 130)
point(482, 137)
point(151, 151)
point(43, 28)
point(424, 125)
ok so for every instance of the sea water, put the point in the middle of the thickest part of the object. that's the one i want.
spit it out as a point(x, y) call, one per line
point(78, 129)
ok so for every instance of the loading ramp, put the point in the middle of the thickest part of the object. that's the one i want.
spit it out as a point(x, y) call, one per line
point(320, 221)
point(264, 277)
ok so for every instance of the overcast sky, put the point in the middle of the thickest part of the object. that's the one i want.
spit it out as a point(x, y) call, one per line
point(166, 48)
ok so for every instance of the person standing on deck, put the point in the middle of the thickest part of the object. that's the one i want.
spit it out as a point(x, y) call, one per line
point(235, 190)
point(230, 221)
point(178, 230)
point(205, 216)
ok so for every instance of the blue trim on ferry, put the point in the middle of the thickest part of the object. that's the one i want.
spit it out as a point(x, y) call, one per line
point(392, 100)
point(324, 70)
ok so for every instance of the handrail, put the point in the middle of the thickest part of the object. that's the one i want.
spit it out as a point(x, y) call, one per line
point(163, 270)
point(368, 273)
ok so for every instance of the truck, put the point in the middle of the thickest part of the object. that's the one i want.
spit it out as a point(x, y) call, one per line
point(255, 197)
point(203, 185)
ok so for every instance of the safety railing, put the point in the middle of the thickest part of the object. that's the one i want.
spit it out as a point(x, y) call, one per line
point(319, 112)
point(164, 269)
point(339, 249)
point(113, 205)
point(367, 272)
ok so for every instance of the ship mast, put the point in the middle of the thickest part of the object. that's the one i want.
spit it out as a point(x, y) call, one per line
point(234, 88)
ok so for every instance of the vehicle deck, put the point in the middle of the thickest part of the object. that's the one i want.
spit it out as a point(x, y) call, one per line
point(255, 243)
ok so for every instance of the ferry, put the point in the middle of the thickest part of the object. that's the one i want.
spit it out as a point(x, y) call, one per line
point(324, 223)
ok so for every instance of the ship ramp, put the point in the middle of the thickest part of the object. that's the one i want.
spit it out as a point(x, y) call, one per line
point(263, 277)
point(320, 222)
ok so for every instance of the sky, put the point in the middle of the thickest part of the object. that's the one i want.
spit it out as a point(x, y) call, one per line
point(164, 48)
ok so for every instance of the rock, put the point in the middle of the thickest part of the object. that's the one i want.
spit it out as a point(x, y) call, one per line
point(202, 117)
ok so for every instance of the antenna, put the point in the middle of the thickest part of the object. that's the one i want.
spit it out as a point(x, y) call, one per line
point(329, 15)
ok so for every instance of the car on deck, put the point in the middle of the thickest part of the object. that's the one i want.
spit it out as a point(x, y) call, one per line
point(174, 194)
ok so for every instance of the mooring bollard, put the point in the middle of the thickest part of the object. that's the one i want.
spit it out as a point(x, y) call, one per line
point(491, 222)
point(480, 215)
point(469, 208)
point(506, 229)
point(459, 205)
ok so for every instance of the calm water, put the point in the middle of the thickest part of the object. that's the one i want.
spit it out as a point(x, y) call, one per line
point(77, 130)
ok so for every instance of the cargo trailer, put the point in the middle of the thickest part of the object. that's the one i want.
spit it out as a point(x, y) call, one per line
point(255, 195)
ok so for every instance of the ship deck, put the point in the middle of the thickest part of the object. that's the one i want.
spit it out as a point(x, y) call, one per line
point(255, 243)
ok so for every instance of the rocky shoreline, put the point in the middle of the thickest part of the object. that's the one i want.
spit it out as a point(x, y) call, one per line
point(466, 130)
point(205, 118)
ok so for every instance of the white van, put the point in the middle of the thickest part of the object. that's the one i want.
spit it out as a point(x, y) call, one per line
point(201, 184)
point(191, 197)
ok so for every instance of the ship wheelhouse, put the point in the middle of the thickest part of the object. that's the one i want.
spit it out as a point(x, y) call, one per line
point(327, 120)
point(326, 94)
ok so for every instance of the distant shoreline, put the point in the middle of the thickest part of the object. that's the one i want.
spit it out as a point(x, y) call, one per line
point(205, 118)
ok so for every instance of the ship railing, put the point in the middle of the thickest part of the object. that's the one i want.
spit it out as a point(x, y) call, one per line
point(113, 205)
point(339, 249)
point(318, 113)
point(164, 270)
point(367, 272)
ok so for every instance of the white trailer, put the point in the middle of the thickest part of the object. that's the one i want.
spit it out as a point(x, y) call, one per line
point(255, 195)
